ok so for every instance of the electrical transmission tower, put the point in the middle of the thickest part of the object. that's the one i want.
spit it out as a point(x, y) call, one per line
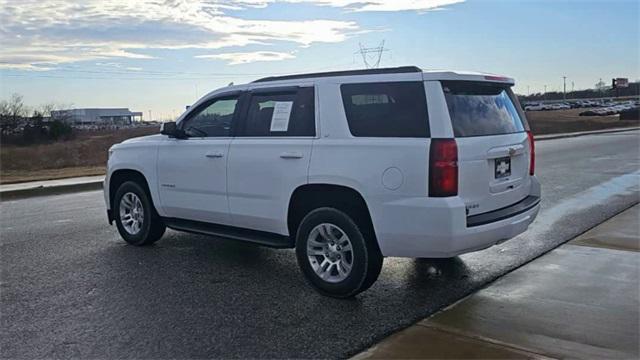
point(371, 56)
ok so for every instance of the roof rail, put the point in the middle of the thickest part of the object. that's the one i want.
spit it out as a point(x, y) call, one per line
point(394, 70)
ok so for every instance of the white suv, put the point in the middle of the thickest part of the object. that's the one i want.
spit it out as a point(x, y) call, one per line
point(347, 167)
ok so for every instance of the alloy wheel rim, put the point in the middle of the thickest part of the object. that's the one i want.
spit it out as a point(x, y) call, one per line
point(131, 213)
point(330, 252)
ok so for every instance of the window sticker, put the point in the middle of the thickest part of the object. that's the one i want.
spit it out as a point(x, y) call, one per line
point(281, 115)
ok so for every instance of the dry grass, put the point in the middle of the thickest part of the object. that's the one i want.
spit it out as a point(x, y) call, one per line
point(563, 121)
point(84, 155)
point(87, 154)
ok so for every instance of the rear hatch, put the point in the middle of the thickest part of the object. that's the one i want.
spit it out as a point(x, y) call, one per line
point(493, 146)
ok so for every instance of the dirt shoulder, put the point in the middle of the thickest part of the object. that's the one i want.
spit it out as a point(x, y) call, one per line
point(20, 176)
point(566, 121)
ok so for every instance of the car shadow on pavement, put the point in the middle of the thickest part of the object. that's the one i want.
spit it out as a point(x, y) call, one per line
point(440, 269)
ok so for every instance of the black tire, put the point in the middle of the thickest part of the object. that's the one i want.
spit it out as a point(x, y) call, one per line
point(152, 227)
point(366, 256)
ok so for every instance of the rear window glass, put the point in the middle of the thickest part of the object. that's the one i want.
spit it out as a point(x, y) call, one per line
point(481, 108)
point(390, 109)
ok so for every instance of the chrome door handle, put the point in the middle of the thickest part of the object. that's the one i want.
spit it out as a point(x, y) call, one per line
point(291, 155)
point(215, 154)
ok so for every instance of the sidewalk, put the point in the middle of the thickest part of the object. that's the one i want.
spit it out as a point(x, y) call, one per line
point(581, 300)
point(50, 187)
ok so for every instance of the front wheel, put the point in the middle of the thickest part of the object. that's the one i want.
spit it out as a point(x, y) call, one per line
point(334, 255)
point(137, 220)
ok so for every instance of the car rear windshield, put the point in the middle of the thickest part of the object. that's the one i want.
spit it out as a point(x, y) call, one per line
point(482, 108)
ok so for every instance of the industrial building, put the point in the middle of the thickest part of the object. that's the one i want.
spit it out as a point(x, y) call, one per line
point(98, 116)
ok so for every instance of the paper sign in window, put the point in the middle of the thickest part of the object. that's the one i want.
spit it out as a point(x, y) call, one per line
point(281, 115)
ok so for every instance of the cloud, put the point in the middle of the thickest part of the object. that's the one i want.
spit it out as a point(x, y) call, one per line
point(39, 34)
point(248, 57)
point(118, 66)
point(373, 5)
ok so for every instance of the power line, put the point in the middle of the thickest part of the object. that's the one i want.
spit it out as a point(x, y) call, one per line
point(114, 78)
point(147, 75)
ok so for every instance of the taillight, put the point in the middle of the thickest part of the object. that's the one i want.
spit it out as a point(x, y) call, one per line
point(443, 168)
point(532, 153)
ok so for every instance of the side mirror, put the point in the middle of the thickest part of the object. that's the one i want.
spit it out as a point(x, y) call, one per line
point(171, 129)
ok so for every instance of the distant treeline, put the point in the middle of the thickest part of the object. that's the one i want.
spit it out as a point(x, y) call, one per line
point(632, 90)
point(22, 125)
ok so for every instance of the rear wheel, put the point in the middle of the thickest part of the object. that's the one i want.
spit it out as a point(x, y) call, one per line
point(334, 255)
point(136, 219)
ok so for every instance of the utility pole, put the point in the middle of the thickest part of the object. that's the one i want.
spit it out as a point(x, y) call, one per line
point(150, 118)
point(564, 88)
point(572, 86)
point(528, 92)
point(371, 56)
point(545, 92)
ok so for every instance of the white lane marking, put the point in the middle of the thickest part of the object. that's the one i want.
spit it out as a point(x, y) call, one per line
point(622, 185)
point(63, 221)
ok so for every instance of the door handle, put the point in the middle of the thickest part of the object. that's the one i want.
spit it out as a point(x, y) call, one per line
point(214, 154)
point(291, 155)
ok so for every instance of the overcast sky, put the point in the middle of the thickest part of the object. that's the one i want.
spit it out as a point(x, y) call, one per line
point(160, 55)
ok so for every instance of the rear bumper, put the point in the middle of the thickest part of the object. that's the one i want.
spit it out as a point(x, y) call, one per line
point(427, 227)
point(505, 213)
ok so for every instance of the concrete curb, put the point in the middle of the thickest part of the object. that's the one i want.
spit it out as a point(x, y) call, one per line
point(49, 190)
point(583, 133)
point(44, 190)
point(433, 337)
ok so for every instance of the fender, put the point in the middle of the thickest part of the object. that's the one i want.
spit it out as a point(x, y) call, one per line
point(140, 157)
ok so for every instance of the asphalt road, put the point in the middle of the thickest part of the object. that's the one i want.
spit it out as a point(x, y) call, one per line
point(70, 287)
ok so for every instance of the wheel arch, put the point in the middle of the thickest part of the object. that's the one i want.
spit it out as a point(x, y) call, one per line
point(307, 197)
point(119, 177)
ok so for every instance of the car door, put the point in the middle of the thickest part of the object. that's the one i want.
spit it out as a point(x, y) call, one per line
point(269, 157)
point(192, 172)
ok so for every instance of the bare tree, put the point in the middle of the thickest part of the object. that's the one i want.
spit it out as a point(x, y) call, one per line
point(12, 111)
point(47, 108)
point(601, 86)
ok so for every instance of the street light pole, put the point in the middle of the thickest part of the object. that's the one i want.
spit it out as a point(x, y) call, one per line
point(564, 88)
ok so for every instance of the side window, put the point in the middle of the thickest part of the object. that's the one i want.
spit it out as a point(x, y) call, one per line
point(390, 109)
point(213, 120)
point(281, 114)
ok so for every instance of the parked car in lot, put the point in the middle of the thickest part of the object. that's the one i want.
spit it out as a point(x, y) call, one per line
point(546, 106)
point(534, 107)
point(587, 103)
point(559, 106)
point(612, 108)
point(346, 167)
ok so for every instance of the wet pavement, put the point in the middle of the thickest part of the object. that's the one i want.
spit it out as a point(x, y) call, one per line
point(578, 301)
point(69, 287)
